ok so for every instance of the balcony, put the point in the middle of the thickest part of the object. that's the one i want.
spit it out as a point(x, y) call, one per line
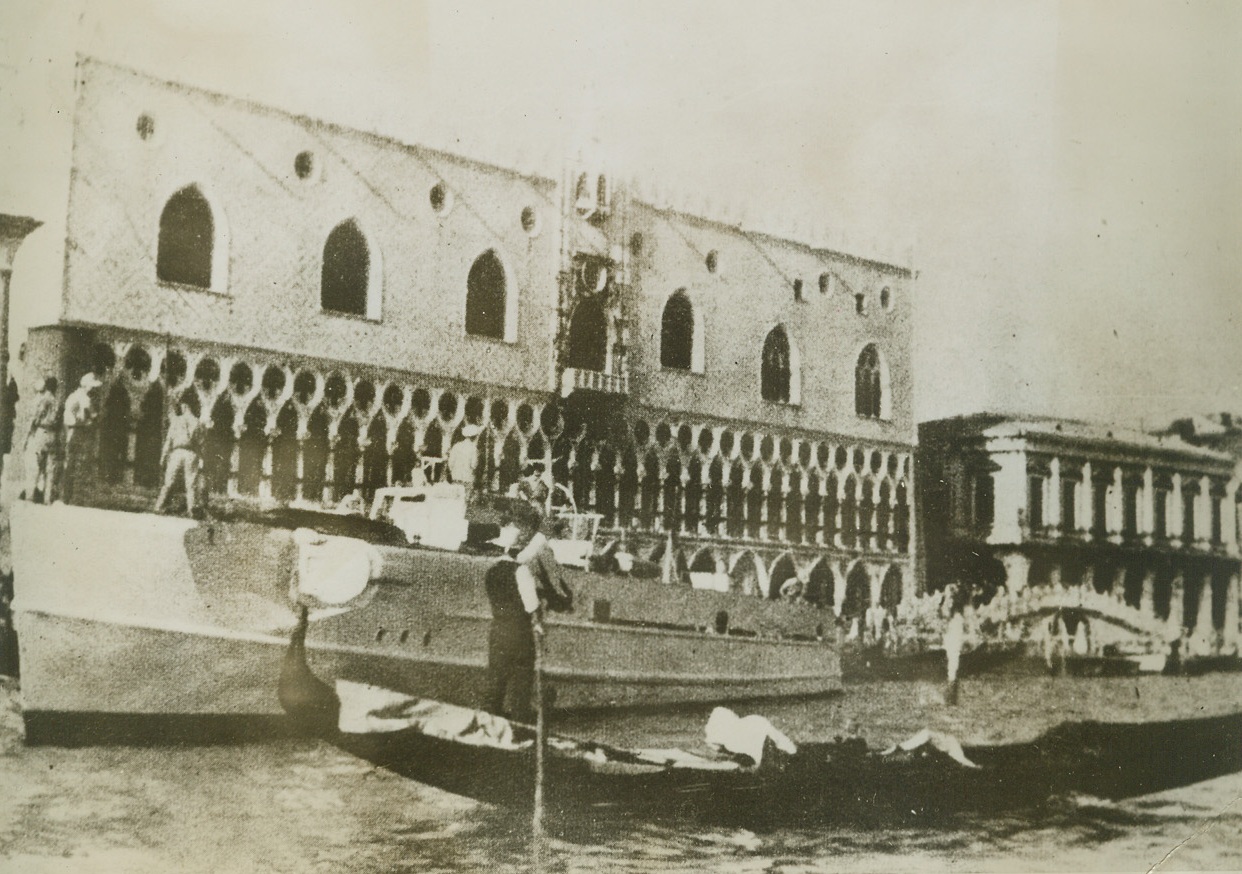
point(574, 378)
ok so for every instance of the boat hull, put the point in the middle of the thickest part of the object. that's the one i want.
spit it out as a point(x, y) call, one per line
point(133, 614)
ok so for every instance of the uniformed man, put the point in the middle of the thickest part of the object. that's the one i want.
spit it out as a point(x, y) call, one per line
point(181, 456)
point(79, 430)
point(463, 459)
point(41, 443)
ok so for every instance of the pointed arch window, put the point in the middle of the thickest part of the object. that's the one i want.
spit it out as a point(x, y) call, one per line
point(486, 297)
point(349, 282)
point(778, 371)
point(870, 399)
point(588, 336)
point(677, 333)
point(190, 251)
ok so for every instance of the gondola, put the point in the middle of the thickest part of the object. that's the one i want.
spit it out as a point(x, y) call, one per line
point(928, 778)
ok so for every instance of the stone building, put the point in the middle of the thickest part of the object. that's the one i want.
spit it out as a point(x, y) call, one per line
point(1039, 503)
point(337, 305)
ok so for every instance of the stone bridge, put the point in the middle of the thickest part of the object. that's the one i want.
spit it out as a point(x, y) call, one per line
point(1037, 605)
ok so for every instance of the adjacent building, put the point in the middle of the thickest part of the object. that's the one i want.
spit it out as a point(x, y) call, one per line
point(337, 306)
point(1033, 502)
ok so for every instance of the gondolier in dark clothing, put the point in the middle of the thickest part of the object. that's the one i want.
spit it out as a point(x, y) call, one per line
point(516, 619)
point(182, 456)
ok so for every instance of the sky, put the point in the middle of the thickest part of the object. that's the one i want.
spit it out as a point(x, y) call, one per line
point(1066, 178)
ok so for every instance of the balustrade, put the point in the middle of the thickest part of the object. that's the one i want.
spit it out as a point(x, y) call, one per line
point(301, 433)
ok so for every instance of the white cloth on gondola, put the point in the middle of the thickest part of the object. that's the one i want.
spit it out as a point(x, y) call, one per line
point(745, 736)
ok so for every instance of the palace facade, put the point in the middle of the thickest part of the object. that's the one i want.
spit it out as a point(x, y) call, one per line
point(336, 306)
point(1033, 503)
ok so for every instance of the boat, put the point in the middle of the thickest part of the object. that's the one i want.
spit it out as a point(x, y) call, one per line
point(130, 614)
point(928, 778)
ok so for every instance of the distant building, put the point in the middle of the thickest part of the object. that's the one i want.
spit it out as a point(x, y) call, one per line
point(1221, 432)
point(337, 306)
point(1034, 502)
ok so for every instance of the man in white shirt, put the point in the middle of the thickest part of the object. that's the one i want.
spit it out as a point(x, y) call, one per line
point(463, 459)
point(79, 428)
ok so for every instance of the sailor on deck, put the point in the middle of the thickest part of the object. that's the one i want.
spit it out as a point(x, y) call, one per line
point(533, 486)
point(181, 456)
point(463, 459)
point(79, 422)
point(40, 443)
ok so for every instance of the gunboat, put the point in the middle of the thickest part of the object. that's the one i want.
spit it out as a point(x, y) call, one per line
point(132, 614)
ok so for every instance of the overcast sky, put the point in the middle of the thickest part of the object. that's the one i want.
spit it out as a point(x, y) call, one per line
point(1064, 176)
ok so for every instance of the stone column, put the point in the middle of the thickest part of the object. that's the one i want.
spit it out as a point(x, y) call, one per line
point(780, 488)
point(1147, 600)
point(704, 485)
point(1147, 505)
point(838, 585)
point(821, 516)
point(838, 516)
point(1176, 511)
point(329, 470)
point(1232, 633)
point(1052, 502)
point(1229, 519)
point(657, 503)
point(1009, 498)
point(1176, 605)
point(1086, 501)
point(300, 466)
point(265, 468)
point(765, 490)
point(234, 458)
point(1116, 505)
point(1204, 633)
point(875, 577)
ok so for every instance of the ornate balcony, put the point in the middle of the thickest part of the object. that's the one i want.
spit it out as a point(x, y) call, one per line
point(574, 378)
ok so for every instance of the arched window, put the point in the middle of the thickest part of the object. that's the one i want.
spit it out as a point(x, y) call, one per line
point(347, 271)
point(588, 337)
point(869, 384)
point(677, 333)
point(775, 372)
point(187, 241)
point(486, 297)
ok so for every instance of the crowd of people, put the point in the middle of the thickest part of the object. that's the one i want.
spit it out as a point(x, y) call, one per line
point(59, 440)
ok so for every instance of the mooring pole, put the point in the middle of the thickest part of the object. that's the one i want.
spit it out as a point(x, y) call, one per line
point(541, 736)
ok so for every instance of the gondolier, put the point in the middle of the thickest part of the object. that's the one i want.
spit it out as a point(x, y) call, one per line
point(516, 619)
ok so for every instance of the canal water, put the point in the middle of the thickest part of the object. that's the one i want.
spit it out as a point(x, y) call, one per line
point(300, 805)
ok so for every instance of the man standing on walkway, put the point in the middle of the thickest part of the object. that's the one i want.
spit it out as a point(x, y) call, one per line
point(181, 456)
point(79, 421)
point(40, 444)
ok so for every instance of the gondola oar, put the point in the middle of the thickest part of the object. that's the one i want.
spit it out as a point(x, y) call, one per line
point(541, 743)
